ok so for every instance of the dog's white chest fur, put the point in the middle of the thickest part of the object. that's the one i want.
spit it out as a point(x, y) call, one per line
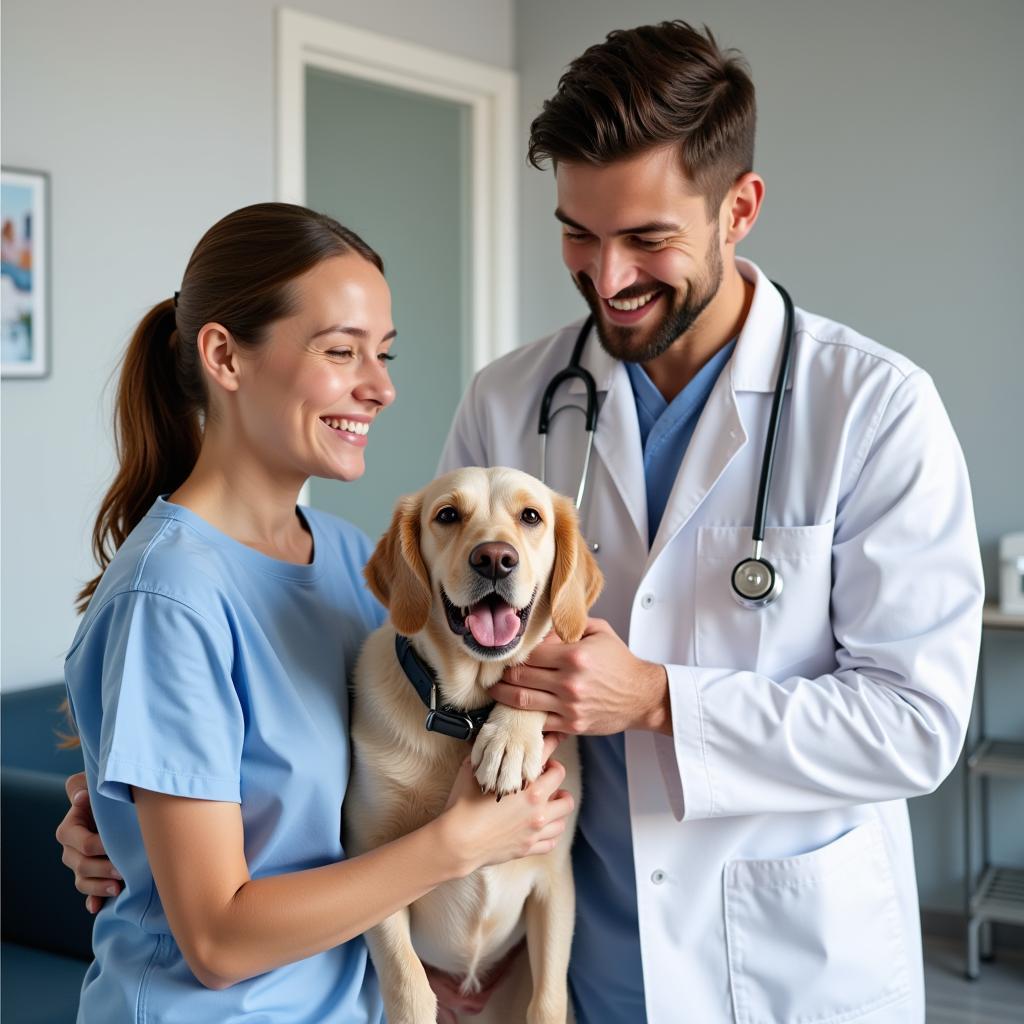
point(465, 926)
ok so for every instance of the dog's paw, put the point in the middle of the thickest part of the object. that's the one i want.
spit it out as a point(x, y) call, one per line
point(506, 758)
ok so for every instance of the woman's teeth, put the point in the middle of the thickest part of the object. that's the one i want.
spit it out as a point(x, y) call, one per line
point(352, 426)
point(628, 305)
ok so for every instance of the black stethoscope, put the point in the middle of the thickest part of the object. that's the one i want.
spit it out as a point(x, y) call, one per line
point(755, 581)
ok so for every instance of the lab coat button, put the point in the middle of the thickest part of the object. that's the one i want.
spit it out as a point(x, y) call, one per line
point(658, 877)
point(647, 601)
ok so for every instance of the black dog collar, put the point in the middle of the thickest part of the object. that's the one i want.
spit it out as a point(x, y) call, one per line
point(449, 721)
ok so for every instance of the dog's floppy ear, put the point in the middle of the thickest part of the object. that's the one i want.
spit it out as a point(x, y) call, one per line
point(576, 579)
point(395, 571)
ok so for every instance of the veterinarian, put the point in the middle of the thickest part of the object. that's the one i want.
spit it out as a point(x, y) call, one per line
point(207, 678)
point(744, 851)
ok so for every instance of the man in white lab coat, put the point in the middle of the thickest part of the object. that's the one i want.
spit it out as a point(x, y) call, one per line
point(744, 851)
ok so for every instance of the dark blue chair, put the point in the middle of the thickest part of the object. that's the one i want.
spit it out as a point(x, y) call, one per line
point(46, 930)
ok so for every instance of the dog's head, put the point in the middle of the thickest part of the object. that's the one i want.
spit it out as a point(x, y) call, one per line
point(490, 557)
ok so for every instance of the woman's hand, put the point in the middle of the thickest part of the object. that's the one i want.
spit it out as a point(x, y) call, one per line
point(480, 830)
point(83, 849)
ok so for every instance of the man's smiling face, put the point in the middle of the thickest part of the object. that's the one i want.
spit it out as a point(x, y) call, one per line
point(640, 247)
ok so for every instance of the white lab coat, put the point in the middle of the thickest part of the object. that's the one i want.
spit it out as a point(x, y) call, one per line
point(774, 869)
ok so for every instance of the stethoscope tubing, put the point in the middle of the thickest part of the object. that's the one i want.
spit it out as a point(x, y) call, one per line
point(752, 567)
point(573, 371)
point(774, 418)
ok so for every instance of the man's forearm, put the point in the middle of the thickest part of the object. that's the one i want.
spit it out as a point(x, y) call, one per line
point(658, 715)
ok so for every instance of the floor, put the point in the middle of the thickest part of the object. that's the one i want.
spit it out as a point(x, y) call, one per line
point(997, 997)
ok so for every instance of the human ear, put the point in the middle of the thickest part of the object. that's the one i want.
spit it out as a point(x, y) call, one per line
point(218, 354)
point(741, 207)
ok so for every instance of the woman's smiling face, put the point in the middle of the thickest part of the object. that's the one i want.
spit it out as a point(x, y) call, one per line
point(307, 398)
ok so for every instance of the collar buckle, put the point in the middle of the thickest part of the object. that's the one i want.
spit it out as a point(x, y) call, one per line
point(449, 723)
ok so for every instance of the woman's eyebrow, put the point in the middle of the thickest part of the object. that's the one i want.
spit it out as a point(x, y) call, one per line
point(355, 332)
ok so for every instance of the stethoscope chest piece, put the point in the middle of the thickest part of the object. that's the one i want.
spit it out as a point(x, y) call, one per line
point(755, 583)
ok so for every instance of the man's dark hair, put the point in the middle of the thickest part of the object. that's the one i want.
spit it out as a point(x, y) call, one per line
point(650, 86)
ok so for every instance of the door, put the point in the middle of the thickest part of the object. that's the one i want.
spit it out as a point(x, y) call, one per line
point(393, 165)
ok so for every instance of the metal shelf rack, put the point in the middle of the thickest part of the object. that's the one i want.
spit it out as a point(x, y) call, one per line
point(997, 894)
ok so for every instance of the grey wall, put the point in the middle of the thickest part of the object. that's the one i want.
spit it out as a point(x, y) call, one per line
point(890, 138)
point(153, 120)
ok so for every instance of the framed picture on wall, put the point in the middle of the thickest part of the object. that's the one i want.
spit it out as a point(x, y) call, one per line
point(24, 276)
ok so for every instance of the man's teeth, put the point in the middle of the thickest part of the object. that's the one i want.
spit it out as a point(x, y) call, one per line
point(352, 426)
point(628, 305)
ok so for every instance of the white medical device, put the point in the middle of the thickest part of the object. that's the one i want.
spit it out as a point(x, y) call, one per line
point(1011, 574)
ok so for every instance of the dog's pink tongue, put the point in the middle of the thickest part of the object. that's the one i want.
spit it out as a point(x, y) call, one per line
point(493, 627)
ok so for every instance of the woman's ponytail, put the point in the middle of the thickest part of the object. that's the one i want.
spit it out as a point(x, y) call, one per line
point(156, 434)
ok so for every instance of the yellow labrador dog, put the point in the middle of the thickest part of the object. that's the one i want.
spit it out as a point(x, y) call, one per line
point(475, 570)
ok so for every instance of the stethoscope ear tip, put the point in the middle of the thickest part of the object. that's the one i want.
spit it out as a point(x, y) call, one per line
point(755, 583)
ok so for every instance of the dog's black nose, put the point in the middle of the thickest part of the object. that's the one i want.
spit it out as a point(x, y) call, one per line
point(493, 560)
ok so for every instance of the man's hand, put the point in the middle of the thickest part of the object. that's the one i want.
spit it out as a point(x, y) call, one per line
point(595, 687)
point(83, 848)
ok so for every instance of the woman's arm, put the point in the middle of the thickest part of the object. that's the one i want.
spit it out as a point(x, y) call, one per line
point(231, 927)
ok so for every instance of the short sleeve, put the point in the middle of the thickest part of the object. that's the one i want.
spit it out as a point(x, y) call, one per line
point(171, 720)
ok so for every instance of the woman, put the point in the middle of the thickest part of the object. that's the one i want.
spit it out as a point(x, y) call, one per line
point(207, 678)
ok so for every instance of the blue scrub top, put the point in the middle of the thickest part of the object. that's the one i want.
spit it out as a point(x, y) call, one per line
point(205, 669)
point(606, 972)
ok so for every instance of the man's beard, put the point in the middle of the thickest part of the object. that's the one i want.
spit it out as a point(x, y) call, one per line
point(633, 345)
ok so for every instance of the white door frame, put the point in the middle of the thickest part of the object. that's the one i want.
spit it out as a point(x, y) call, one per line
point(304, 40)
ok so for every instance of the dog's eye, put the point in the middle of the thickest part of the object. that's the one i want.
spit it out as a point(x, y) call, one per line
point(448, 514)
point(530, 516)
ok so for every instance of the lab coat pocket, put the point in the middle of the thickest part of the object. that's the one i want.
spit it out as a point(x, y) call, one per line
point(787, 637)
point(817, 938)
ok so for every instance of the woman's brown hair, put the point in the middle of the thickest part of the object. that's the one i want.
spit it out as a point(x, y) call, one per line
point(239, 277)
point(651, 86)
